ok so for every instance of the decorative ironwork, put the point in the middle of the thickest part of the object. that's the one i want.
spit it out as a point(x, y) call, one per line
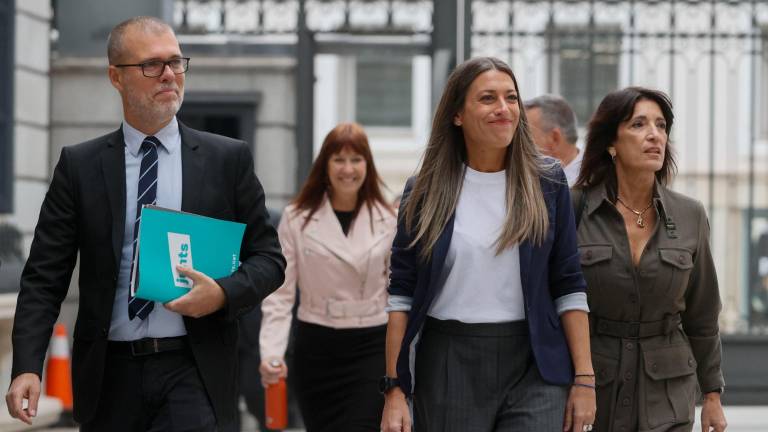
point(265, 17)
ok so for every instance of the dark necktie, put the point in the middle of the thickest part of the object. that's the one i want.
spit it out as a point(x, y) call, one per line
point(147, 194)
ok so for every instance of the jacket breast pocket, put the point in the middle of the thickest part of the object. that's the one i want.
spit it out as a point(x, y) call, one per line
point(220, 210)
point(669, 385)
point(675, 271)
point(595, 260)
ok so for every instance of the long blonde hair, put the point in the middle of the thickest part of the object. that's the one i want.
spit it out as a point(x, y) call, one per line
point(436, 189)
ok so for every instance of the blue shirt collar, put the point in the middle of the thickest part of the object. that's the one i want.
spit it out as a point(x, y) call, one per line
point(169, 137)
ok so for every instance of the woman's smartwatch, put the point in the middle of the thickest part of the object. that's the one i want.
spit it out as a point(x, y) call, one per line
point(387, 383)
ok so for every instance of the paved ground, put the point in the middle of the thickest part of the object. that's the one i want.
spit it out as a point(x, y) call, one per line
point(740, 419)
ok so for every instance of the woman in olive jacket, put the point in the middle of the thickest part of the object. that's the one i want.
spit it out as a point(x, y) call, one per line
point(651, 281)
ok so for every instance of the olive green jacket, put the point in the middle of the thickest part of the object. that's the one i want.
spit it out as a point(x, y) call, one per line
point(647, 373)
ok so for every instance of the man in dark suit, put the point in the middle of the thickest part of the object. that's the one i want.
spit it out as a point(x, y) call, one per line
point(137, 365)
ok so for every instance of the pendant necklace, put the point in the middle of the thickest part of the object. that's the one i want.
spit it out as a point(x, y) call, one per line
point(640, 222)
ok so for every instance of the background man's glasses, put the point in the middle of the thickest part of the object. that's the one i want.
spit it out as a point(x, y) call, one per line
point(155, 68)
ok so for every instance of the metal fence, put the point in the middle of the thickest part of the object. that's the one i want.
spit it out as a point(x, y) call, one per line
point(276, 17)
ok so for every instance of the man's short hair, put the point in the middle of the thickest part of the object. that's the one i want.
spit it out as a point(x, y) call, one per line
point(555, 113)
point(116, 41)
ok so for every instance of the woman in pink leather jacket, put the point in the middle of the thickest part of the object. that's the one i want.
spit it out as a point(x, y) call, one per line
point(336, 237)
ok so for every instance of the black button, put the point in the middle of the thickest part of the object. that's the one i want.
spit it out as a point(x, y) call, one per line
point(104, 331)
point(633, 298)
point(629, 346)
point(690, 362)
point(627, 376)
point(589, 254)
point(626, 401)
point(654, 367)
point(681, 259)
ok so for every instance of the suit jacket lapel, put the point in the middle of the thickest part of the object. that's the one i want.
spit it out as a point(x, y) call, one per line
point(360, 240)
point(325, 230)
point(526, 252)
point(192, 169)
point(365, 234)
point(113, 169)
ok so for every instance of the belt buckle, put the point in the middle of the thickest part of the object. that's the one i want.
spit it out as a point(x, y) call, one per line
point(634, 330)
point(335, 309)
point(143, 352)
point(671, 322)
point(133, 348)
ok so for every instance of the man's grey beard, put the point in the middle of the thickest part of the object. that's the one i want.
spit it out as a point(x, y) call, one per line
point(151, 112)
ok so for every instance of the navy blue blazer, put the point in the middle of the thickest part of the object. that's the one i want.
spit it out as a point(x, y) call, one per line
point(547, 271)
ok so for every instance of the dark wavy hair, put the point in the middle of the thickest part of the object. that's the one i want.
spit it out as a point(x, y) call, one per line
point(350, 136)
point(617, 107)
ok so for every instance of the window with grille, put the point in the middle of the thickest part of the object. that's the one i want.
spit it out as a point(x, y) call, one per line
point(587, 65)
point(383, 91)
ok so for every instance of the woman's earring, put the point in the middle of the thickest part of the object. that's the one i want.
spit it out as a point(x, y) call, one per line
point(613, 155)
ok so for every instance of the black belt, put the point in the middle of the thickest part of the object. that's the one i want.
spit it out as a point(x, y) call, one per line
point(148, 346)
point(494, 329)
point(634, 329)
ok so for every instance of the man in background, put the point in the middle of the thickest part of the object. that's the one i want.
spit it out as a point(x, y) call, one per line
point(553, 125)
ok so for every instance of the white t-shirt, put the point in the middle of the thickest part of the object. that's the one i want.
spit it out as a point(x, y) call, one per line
point(480, 286)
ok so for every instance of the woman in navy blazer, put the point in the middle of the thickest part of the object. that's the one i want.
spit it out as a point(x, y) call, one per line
point(487, 321)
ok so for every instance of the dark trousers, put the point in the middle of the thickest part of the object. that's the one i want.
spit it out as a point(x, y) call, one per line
point(248, 361)
point(152, 393)
point(335, 373)
point(482, 378)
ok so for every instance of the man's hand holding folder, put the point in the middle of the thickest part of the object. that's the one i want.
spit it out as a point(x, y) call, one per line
point(180, 256)
point(205, 297)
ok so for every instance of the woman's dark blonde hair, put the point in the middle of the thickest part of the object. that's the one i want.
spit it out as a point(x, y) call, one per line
point(437, 185)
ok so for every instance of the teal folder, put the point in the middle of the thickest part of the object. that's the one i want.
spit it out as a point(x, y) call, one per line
point(168, 238)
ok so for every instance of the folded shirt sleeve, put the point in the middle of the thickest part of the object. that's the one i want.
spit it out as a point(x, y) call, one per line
point(568, 302)
point(397, 303)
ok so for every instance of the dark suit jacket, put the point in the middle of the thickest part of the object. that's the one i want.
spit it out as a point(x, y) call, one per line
point(84, 212)
point(547, 271)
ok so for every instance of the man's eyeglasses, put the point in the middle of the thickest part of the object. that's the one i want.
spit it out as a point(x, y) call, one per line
point(155, 68)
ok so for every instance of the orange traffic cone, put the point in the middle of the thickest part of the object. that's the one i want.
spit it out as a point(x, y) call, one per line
point(58, 381)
